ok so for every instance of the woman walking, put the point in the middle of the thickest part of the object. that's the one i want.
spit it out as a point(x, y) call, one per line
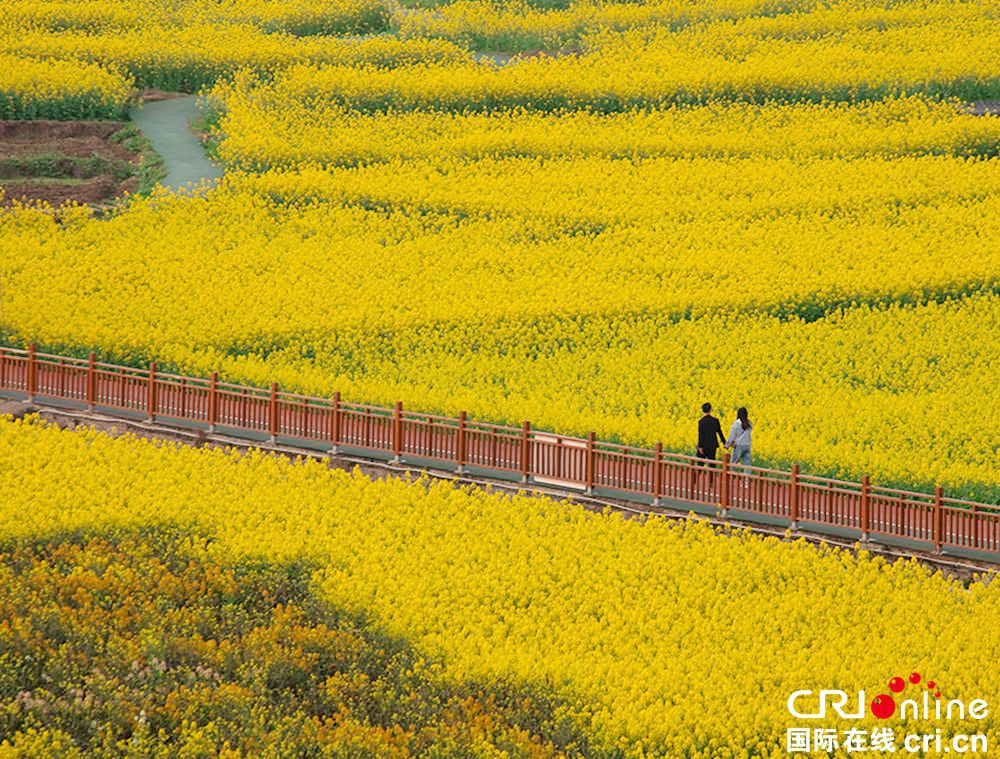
point(739, 438)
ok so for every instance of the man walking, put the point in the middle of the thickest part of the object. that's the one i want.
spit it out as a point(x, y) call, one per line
point(709, 437)
point(709, 434)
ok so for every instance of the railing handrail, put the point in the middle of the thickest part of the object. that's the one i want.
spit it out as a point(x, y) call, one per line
point(966, 505)
point(898, 493)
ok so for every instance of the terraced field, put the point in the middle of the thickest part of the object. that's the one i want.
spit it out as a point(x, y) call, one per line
point(591, 215)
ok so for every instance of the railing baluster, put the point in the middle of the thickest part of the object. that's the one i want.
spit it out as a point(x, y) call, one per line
point(151, 396)
point(525, 451)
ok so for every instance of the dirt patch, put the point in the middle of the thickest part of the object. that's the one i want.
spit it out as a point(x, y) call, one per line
point(55, 162)
point(33, 131)
point(58, 165)
point(73, 139)
point(95, 191)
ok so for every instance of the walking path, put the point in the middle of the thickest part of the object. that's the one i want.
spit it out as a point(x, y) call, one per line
point(167, 125)
point(378, 467)
point(986, 108)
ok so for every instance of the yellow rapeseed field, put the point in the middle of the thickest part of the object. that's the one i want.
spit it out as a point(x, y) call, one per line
point(194, 56)
point(139, 641)
point(789, 207)
point(939, 50)
point(185, 45)
point(784, 205)
point(276, 124)
point(61, 89)
point(581, 291)
point(668, 639)
point(302, 17)
point(571, 25)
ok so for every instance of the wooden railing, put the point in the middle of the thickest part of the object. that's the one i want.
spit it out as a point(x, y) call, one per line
point(563, 462)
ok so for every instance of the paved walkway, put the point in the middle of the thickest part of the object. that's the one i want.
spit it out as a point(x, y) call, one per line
point(167, 125)
point(986, 108)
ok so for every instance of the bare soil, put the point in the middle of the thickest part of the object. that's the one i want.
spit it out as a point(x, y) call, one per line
point(62, 144)
point(76, 139)
point(95, 191)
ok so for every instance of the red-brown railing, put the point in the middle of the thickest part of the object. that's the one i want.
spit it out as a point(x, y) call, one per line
point(568, 463)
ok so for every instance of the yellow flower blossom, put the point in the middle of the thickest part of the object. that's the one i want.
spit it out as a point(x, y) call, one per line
point(678, 640)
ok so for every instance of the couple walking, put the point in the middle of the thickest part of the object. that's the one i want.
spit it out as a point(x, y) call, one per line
point(710, 435)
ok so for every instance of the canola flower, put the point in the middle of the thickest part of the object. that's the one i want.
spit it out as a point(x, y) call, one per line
point(194, 56)
point(184, 45)
point(940, 51)
point(666, 236)
point(319, 280)
point(141, 643)
point(514, 208)
point(557, 26)
point(299, 17)
point(552, 25)
point(54, 89)
point(633, 55)
point(676, 640)
point(545, 240)
point(264, 125)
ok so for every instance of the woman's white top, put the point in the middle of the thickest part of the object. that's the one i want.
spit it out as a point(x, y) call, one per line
point(738, 436)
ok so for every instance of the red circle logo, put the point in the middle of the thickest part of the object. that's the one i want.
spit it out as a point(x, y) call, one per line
point(883, 706)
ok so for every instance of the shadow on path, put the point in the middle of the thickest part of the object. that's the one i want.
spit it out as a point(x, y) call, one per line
point(167, 124)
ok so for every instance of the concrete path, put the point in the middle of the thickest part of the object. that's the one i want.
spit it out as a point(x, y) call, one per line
point(966, 562)
point(167, 124)
point(986, 108)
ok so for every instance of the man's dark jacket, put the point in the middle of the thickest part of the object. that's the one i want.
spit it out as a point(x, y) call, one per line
point(710, 435)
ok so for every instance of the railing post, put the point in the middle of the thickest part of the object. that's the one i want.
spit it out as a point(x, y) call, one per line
point(91, 381)
point(213, 402)
point(460, 457)
point(32, 372)
point(975, 526)
point(151, 393)
point(3, 368)
point(525, 451)
point(938, 492)
point(724, 485)
point(272, 416)
point(335, 425)
point(589, 465)
point(796, 496)
point(657, 473)
point(397, 432)
point(866, 487)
